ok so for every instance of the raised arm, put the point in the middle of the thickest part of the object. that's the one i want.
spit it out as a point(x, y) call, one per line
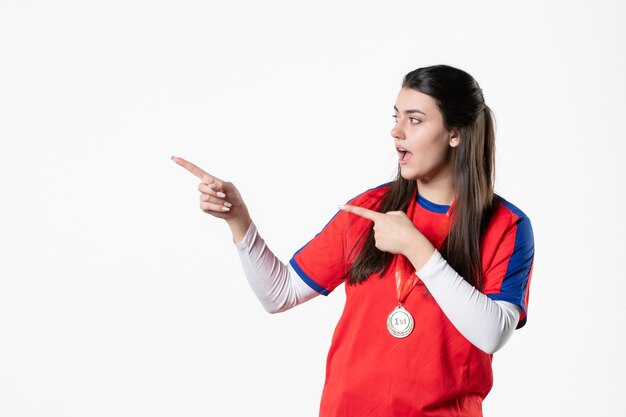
point(269, 278)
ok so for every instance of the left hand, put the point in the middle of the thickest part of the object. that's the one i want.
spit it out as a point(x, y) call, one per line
point(394, 232)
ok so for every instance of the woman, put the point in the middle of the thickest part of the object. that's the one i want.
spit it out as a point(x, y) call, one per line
point(437, 267)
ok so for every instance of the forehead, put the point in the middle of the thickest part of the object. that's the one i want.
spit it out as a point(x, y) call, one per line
point(410, 99)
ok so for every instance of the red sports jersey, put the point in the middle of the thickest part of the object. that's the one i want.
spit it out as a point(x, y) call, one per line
point(435, 371)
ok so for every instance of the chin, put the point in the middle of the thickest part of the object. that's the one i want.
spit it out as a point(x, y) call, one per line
point(408, 173)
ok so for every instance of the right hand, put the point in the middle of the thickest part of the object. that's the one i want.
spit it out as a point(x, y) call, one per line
point(228, 205)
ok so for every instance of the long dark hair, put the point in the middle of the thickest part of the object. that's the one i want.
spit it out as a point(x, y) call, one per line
point(460, 100)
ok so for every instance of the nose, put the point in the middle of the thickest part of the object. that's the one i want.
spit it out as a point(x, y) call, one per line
point(397, 132)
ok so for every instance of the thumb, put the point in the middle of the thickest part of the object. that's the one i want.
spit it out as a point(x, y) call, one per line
point(221, 185)
point(214, 182)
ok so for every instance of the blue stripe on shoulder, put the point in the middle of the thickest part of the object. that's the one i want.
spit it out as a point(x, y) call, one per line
point(515, 281)
point(309, 281)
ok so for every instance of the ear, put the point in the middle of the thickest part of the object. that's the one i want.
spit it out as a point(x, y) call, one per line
point(455, 137)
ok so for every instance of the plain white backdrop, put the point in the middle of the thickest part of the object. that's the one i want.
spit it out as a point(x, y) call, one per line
point(119, 297)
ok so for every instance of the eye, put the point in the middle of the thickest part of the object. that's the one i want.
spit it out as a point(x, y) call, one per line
point(415, 121)
point(395, 118)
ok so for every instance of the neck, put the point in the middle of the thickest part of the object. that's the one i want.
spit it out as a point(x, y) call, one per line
point(437, 190)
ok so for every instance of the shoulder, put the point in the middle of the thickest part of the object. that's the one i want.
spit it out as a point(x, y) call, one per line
point(370, 196)
point(509, 212)
point(511, 208)
point(509, 218)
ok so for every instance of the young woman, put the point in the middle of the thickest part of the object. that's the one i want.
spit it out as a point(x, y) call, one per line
point(436, 266)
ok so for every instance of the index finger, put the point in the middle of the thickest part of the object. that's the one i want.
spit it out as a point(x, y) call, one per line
point(195, 170)
point(362, 211)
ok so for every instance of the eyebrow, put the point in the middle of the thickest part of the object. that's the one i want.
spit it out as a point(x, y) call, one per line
point(410, 111)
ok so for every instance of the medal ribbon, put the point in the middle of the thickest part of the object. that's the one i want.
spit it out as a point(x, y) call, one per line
point(405, 285)
point(403, 267)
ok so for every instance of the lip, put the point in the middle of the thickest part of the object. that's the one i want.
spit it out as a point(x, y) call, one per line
point(401, 155)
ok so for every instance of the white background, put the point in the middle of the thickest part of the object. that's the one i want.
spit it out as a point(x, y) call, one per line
point(118, 296)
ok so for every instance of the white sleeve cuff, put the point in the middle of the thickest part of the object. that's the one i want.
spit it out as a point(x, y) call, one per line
point(247, 238)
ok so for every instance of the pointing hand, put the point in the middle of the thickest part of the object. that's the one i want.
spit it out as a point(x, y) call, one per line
point(217, 197)
point(394, 232)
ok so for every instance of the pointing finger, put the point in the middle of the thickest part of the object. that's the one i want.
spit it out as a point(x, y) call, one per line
point(361, 211)
point(195, 170)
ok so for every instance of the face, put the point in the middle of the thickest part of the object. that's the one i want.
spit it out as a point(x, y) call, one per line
point(419, 131)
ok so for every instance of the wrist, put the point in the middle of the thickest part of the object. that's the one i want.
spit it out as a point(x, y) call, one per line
point(239, 226)
point(419, 252)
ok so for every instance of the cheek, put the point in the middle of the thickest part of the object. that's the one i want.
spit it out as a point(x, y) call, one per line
point(430, 150)
point(430, 153)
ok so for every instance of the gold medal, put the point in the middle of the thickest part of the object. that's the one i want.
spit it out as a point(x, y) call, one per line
point(400, 322)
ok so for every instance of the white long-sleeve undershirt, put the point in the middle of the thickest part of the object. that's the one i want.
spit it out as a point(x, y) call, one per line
point(486, 323)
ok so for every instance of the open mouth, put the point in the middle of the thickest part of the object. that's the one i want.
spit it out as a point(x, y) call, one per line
point(404, 155)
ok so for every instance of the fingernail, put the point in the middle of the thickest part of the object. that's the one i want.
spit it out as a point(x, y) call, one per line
point(211, 186)
point(221, 194)
point(227, 204)
point(225, 208)
point(173, 157)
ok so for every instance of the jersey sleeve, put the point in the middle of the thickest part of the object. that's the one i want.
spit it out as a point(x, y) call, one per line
point(508, 277)
point(323, 262)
